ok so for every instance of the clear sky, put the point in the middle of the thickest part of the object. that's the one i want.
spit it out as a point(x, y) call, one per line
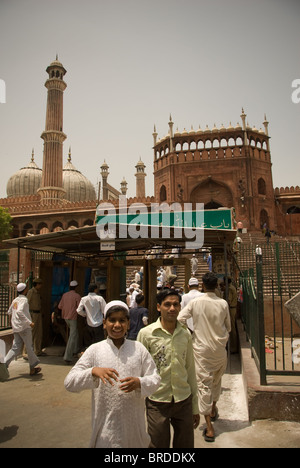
point(130, 63)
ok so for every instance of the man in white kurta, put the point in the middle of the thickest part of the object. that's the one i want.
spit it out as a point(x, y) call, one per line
point(22, 325)
point(211, 320)
point(194, 265)
point(118, 417)
point(190, 296)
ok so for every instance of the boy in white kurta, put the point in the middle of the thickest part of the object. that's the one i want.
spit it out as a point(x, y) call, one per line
point(118, 406)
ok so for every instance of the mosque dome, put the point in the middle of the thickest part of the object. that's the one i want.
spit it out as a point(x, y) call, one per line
point(26, 181)
point(77, 186)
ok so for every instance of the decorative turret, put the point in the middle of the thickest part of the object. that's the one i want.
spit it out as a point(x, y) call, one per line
point(171, 123)
point(266, 125)
point(140, 179)
point(124, 186)
point(243, 117)
point(104, 174)
point(154, 134)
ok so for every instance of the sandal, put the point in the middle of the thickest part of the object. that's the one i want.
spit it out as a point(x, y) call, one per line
point(216, 416)
point(35, 371)
point(206, 437)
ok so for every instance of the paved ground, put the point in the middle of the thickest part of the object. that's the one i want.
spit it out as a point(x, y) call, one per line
point(38, 412)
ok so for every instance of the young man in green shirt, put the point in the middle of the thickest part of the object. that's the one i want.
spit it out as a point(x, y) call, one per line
point(176, 400)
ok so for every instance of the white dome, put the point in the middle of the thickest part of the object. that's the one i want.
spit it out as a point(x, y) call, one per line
point(77, 186)
point(26, 181)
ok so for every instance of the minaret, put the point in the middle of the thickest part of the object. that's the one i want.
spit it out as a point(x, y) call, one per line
point(140, 179)
point(171, 123)
point(51, 190)
point(105, 174)
point(266, 124)
point(154, 134)
point(243, 117)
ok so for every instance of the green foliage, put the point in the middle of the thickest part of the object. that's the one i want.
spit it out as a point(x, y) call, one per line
point(5, 224)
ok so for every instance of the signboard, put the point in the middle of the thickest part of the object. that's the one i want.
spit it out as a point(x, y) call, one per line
point(105, 246)
point(160, 222)
point(208, 219)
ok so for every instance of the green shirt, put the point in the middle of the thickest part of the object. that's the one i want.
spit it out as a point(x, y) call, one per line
point(174, 359)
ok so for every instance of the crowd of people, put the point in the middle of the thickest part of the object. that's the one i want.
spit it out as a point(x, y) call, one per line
point(172, 368)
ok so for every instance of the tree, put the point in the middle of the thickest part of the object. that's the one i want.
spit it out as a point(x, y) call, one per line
point(5, 224)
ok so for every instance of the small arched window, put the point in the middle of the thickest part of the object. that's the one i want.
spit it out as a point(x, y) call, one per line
point(261, 186)
point(163, 193)
point(27, 230)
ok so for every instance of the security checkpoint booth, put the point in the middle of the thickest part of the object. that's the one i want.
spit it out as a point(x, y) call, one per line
point(88, 255)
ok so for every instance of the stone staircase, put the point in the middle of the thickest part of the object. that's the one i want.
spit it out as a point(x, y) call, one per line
point(202, 269)
point(180, 282)
point(281, 262)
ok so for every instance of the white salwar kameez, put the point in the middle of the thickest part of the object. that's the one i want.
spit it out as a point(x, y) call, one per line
point(212, 326)
point(118, 418)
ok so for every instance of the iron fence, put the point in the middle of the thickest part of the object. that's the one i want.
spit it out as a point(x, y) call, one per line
point(280, 265)
point(272, 333)
point(7, 295)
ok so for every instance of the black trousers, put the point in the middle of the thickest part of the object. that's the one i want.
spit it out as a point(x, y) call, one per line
point(161, 416)
point(94, 334)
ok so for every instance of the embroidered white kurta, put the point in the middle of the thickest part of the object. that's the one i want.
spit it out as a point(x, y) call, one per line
point(118, 418)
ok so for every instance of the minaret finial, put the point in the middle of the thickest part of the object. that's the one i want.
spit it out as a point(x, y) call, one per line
point(154, 134)
point(171, 123)
point(243, 117)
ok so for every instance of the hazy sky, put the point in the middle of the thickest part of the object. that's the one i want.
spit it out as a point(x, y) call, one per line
point(130, 63)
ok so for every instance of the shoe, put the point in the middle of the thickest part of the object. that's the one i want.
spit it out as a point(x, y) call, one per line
point(35, 371)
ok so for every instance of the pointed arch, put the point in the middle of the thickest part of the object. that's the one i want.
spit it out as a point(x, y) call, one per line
point(213, 194)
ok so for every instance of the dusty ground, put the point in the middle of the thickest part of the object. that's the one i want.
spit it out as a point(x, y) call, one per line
point(38, 412)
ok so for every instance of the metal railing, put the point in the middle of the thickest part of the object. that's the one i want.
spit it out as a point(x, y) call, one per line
point(274, 352)
point(280, 265)
point(7, 295)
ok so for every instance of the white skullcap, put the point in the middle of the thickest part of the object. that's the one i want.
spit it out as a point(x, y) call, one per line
point(120, 304)
point(73, 284)
point(193, 282)
point(21, 287)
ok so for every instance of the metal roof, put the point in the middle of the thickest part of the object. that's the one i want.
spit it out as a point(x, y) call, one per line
point(85, 242)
